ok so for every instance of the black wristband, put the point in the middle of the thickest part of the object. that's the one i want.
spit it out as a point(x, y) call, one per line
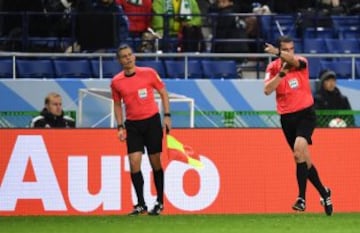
point(282, 74)
point(120, 126)
point(167, 114)
point(279, 53)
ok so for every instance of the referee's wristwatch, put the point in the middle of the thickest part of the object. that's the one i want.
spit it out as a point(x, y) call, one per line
point(120, 126)
point(167, 114)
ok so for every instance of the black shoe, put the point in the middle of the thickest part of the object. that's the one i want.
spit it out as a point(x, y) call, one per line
point(158, 207)
point(327, 203)
point(299, 204)
point(138, 210)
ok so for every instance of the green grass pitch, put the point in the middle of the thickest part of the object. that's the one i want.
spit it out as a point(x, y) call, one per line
point(244, 223)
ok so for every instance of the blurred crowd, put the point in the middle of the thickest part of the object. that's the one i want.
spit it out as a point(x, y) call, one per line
point(148, 25)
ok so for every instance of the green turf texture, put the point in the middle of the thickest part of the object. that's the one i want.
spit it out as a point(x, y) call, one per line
point(246, 223)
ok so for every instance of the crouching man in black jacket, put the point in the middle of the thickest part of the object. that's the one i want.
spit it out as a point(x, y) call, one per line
point(52, 115)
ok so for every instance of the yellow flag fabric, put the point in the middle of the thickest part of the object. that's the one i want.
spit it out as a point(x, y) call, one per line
point(178, 151)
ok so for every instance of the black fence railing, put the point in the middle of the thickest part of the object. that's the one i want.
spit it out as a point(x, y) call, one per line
point(221, 119)
point(60, 32)
point(55, 32)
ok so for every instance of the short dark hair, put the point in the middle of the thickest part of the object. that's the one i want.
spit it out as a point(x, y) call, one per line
point(283, 39)
point(121, 47)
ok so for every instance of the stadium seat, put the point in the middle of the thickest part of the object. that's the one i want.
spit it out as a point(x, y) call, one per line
point(286, 30)
point(350, 33)
point(298, 43)
point(345, 20)
point(155, 64)
point(109, 68)
point(225, 69)
point(345, 24)
point(314, 45)
point(342, 45)
point(351, 45)
point(283, 19)
point(77, 68)
point(35, 68)
point(176, 69)
point(357, 69)
point(341, 68)
point(6, 68)
point(314, 67)
point(43, 41)
point(270, 29)
point(319, 32)
point(134, 42)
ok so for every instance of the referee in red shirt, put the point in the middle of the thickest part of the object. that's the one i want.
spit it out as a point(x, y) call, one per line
point(288, 76)
point(134, 86)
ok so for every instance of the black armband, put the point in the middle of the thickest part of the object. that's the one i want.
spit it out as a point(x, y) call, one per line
point(167, 114)
point(302, 64)
point(282, 74)
point(120, 126)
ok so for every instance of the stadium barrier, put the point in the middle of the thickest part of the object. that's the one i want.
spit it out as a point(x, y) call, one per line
point(86, 172)
point(252, 71)
point(22, 119)
point(216, 119)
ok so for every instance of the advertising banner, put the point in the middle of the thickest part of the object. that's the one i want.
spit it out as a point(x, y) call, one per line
point(86, 172)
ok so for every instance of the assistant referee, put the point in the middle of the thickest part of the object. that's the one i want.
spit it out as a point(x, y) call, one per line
point(134, 86)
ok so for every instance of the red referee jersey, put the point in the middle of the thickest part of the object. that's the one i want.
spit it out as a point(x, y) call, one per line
point(294, 92)
point(137, 92)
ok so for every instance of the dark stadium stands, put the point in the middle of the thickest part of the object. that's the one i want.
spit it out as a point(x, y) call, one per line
point(338, 35)
point(35, 68)
point(340, 67)
point(158, 65)
point(357, 68)
point(314, 45)
point(110, 67)
point(74, 68)
point(314, 67)
point(343, 45)
point(346, 26)
point(6, 68)
point(176, 69)
point(225, 69)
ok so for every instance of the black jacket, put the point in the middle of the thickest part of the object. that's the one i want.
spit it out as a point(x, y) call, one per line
point(229, 27)
point(48, 120)
point(332, 100)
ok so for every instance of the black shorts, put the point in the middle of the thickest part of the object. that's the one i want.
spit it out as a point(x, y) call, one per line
point(301, 123)
point(144, 133)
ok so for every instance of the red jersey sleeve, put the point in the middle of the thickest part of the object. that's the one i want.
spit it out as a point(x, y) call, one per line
point(158, 84)
point(271, 70)
point(116, 96)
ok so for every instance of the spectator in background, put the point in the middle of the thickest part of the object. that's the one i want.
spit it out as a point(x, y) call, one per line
point(204, 6)
point(52, 115)
point(100, 26)
point(59, 24)
point(139, 14)
point(111, 7)
point(352, 7)
point(82, 5)
point(183, 20)
point(329, 97)
point(12, 27)
point(228, 27)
